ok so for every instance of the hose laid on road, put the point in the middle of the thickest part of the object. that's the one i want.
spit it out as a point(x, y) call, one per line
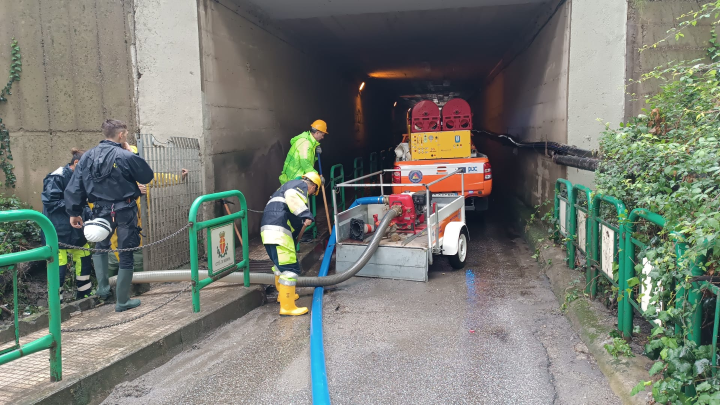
point(318, 373)
point(163, 276)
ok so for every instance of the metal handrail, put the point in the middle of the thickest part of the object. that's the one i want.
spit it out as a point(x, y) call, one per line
point(48, 253)
point(198, 284)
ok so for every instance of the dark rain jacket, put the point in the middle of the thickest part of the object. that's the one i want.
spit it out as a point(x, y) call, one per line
point(53, 200)
point(288, 204)
point(107, 174)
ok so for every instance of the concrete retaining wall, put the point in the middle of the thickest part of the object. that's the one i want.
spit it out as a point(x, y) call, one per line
point(648, 23)
point(76, 72)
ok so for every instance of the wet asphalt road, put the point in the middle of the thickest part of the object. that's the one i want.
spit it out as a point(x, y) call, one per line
point(491, 333)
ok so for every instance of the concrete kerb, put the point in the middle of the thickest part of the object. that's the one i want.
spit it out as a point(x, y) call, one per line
point(309, 254)
point(590, 319)
point(94, 386)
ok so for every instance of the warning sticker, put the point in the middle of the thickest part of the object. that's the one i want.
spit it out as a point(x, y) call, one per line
point(415, 176)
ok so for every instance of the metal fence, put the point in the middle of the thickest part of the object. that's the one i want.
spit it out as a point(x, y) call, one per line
point(165, 207)
point(612, 251)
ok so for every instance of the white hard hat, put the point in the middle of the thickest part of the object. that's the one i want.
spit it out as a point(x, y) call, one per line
point(97, 230)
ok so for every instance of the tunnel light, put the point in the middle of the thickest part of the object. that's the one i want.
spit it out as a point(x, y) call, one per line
point(395, 105)
point(362, 86)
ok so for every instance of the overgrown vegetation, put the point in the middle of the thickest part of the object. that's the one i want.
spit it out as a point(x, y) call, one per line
point(668, 161)
point(14, 237)
point(5, 154)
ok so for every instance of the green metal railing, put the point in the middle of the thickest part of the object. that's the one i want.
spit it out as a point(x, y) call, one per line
point(626, 250)
point(373, 162)
point(49, 253)
point(566, 217)
point(337, 179)
point(223, 263)
point(596, 262)
point(629, 268)
point(357, 173)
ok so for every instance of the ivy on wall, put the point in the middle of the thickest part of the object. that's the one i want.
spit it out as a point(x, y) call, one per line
point(5, 154)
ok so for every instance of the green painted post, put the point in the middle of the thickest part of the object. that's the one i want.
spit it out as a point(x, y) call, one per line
point(196, 227)
point(570, 218)
point(48, 253)
point(595, 223)
point(715, 329)
point(629, 253)
point(588, 237)
point(336, 179)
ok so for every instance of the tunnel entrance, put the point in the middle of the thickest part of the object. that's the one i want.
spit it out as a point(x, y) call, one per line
point(361, 66)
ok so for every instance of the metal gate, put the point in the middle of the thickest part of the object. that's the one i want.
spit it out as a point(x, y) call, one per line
point(165, 207)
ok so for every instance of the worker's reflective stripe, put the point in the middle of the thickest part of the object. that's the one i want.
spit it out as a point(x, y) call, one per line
point(84, 287)
point(276, 199)
point(275, 228)
point(295, 201)
point(82, 278)
point(286, 256)
point(273, 237)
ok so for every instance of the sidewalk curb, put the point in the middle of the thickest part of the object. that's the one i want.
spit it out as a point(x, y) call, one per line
point(96, 386)
point(590, 319)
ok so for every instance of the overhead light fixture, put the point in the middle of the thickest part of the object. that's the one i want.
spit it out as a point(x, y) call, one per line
point(362, 86)
point(395, 105)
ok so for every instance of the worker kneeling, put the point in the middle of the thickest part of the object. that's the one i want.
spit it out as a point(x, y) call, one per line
point(284, 215)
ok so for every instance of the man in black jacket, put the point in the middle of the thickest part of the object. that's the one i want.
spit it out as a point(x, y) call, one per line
point(53, 199)
point(108, 176)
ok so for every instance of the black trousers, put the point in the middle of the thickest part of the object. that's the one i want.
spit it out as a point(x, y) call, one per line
point(128, 233)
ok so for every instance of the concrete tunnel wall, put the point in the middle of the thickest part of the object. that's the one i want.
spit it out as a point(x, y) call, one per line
point(561, 77)
point(260, 90)
point(528, 99)
point(76, 72)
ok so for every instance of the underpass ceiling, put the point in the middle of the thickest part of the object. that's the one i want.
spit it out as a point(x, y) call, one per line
point(419, 49)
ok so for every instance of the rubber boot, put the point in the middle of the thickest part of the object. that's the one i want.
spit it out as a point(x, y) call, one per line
point(122, 291)
point(100, 261)
point(277, 284)
point(286, 294)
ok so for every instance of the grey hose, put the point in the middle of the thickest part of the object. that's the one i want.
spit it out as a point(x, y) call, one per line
point(165, 276)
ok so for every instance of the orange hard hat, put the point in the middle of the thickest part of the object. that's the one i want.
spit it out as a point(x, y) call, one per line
point(320, 125)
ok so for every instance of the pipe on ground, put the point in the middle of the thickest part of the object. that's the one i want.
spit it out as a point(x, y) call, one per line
point(163, 276)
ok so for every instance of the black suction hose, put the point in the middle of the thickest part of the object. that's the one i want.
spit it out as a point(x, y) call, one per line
point(269, 279)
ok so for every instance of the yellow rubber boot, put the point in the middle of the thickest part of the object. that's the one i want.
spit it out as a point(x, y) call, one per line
point(277, 285)
point(286, 295)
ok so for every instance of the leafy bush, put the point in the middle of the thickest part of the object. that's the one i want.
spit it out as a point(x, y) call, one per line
point(668, 161)
point(16, 236)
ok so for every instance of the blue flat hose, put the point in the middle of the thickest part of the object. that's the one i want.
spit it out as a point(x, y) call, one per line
point(318, 372)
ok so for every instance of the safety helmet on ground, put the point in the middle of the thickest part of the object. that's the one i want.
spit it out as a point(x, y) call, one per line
point(315, 178)
point(320, 125)
point(97, 230)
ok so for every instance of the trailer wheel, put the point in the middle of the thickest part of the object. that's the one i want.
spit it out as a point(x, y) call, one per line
point(457, 261)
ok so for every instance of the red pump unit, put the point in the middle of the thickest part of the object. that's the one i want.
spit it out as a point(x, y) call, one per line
point(413, 206)
point(425, 117)
point(456, 115)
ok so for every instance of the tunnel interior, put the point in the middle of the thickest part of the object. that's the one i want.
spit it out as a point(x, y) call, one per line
point(362, 65)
